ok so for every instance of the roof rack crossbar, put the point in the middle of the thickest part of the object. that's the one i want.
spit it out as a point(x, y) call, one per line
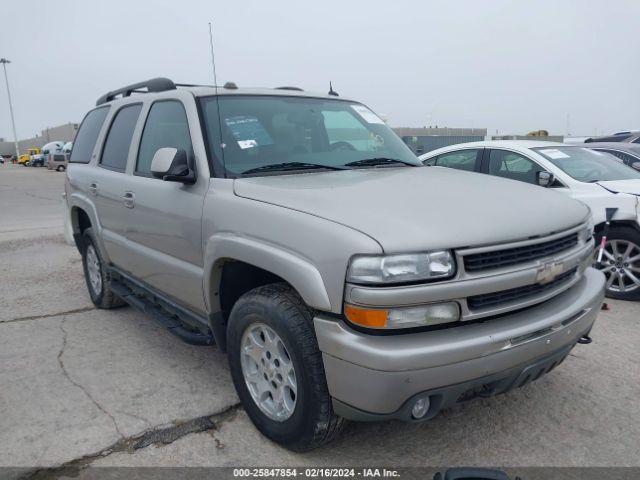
point(159, 84)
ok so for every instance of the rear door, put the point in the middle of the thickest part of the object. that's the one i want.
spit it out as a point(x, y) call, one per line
point(467, 159)
point(108, 182)
point(164, 219)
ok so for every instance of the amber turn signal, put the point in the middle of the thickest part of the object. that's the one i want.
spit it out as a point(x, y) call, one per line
point(366, 317)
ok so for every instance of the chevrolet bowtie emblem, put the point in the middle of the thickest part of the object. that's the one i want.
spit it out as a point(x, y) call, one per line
point(548, 272)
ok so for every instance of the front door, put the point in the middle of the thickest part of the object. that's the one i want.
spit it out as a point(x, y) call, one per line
point(164, 221)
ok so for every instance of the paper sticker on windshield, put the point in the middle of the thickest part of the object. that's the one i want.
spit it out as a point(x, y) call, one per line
point(247, 144)
point(554, 153)
point(366, 114)
point(248, 131)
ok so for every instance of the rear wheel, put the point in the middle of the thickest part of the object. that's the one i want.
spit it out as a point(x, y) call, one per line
point(96, 274)
point(621, 263)
point(277, 368)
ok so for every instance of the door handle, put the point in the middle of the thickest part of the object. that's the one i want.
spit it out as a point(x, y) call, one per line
point(93, 188)
point(129, 199)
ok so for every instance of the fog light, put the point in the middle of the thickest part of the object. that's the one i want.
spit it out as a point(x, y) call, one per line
point(420, 408)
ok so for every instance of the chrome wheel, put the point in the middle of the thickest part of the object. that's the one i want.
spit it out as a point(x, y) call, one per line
point(268, 371)
point(621, 265)
point(93, 269)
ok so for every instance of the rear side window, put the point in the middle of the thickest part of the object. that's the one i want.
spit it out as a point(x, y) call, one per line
point(166, 126)
point(87, 135)
point(460, 160)
point(116, 147)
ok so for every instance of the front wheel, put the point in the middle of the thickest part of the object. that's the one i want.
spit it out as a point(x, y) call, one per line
point(277, 368)
point(621, 263)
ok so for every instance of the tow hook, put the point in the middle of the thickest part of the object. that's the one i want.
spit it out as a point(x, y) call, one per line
point(585, 340)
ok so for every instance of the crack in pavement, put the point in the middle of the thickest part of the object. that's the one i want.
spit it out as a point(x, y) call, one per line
point(158, 436)
point(84, 390)
point(48, 315)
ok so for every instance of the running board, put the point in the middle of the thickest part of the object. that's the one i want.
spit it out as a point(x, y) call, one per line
point(182, 323)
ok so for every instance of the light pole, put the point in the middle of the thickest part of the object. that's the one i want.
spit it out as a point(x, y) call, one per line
point(4, 62)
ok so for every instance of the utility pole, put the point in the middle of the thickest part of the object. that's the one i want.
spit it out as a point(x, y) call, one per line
point(4, 62)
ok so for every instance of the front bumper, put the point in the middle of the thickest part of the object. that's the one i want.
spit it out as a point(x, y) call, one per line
point(376, 376)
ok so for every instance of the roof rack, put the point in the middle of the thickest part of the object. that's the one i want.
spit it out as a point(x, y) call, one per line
point(297, 89)
point(159, 84)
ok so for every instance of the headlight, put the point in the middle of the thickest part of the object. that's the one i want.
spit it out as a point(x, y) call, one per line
point(401, 268)
point(587, 233)
point(403, 317)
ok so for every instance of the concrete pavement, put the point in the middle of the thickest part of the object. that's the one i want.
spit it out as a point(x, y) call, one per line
point(80, 386)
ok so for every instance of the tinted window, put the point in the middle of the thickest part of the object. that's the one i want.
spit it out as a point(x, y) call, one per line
point(503, 163)
point(587, 165)
point(86, 137)
point(460, 160)
point(166, 126)
point(116, 147)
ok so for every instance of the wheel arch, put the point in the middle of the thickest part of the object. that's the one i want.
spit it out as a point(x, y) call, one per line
point(234, 265)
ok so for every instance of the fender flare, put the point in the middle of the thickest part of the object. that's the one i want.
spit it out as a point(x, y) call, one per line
point(298, 271)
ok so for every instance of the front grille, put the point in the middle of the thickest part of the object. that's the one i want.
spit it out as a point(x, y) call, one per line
point(494, 299)
point(478, 262)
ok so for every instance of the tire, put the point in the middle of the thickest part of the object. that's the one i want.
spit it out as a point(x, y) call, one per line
point(311, 421)
point(96, 275)
point(625, 241)
point(60, 168)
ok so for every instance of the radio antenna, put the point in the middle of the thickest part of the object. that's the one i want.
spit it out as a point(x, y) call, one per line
point(215, 85)
point(213, 58)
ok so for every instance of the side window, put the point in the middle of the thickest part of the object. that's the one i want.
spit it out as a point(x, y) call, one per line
point(460, 160)
point(166, 126)
point(116, 146)
point(513, 165)
point(87, 135)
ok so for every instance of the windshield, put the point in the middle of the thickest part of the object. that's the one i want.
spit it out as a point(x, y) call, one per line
point(272, 134)
point(587, 165)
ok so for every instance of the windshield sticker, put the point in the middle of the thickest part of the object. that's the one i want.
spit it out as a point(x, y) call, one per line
point(247, 144)
point(554, 153)
point(248, 131)
point(366, 114)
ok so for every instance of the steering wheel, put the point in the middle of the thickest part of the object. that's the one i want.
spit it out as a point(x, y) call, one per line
point(341, 146)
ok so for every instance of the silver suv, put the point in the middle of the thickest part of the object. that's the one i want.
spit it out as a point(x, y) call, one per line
point(300, 235)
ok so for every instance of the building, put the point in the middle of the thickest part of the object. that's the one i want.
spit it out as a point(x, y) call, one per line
point(61, 133)
point(423, 140)
point(548, 138)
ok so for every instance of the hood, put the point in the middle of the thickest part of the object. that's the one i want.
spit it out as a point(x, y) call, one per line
point(631, 186)
point(412, 209)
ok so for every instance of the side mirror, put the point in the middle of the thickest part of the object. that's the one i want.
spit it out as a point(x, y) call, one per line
point(636, 165)
point(544, 178)
point(172, 165)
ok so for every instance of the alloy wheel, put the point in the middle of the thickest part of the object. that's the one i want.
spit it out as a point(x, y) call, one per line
point(94, 270)
point(621, 265)
point(268, 371)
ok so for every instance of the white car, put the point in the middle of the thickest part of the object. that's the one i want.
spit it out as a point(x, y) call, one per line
point(598, 179)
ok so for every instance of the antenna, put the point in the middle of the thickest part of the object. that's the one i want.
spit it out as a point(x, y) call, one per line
point(332, 91)
point(213, 58)
point(215, 85)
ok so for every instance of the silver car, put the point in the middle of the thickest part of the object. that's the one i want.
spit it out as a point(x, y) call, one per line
point(298, 233)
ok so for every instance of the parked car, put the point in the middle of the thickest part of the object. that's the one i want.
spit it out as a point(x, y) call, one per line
point(58, 160)
point(629, 153)
point(299, 234)
point(597, 179)
point(630, 136)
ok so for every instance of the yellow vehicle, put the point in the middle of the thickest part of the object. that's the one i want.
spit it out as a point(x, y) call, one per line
point(25, 157)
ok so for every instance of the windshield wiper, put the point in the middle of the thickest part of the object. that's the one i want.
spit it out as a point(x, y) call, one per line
point(372, 162)
point(292, 166)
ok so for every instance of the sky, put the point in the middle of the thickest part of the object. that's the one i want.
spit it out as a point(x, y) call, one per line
point(508, 66)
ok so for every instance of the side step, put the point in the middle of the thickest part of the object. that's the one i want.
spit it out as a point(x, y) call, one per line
point(183, 324)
